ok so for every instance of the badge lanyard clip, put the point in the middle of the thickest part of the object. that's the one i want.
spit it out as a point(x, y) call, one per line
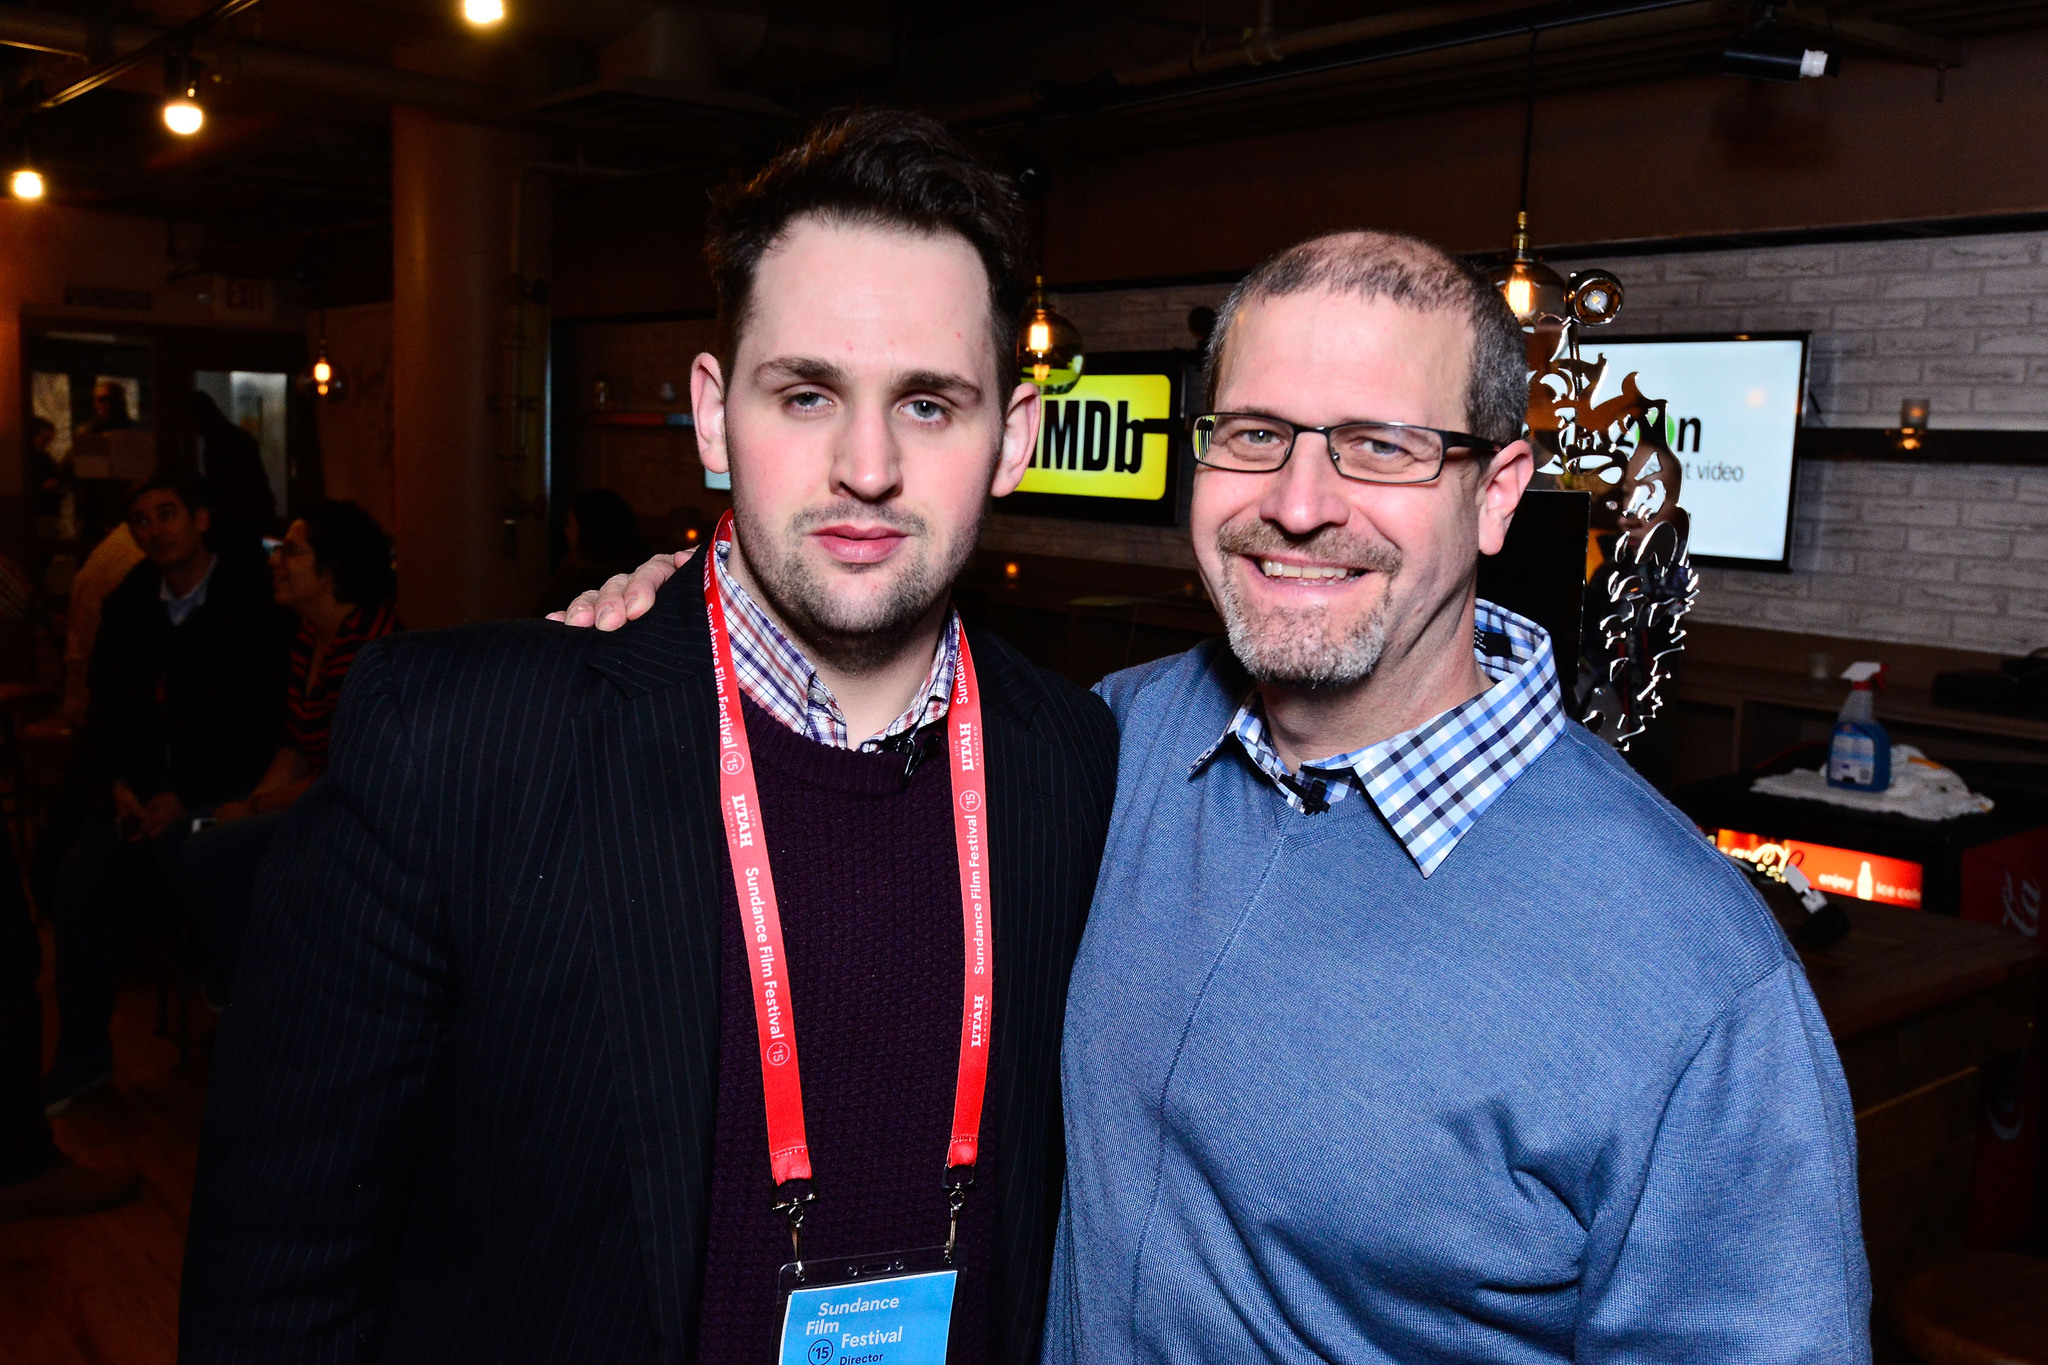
point(956, 1200)
point(794, 1207)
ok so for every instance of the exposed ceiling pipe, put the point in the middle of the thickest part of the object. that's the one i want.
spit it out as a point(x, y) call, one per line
point(1264, 46)
point(171, 40)
point(1398, 34)
point(48, 31)
point(1880, 39)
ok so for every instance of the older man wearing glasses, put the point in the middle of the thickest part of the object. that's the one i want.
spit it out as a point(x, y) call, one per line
point(1410, 1024)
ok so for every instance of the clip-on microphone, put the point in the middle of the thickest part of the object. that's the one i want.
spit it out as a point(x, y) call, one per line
point(910, 743)
point(1312, 792)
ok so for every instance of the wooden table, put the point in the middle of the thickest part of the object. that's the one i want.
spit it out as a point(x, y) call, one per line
point(1917, 1004)
point(1987, 1309)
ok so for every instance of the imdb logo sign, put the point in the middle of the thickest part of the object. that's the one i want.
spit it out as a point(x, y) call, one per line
point(1092, 444)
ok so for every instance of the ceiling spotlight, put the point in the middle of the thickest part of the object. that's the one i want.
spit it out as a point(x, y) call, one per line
point(183, 116)
point(26, 183)
point(1765, 55)
point(483, 13)
point(1595, 297)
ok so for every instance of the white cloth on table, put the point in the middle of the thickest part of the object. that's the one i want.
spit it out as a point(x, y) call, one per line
point(1921, 789)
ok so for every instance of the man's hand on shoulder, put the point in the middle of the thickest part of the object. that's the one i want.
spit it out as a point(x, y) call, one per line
point(162, 811)
point(624, 598)
point(127, 812)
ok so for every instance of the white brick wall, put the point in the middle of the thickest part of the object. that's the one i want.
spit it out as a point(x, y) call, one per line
point(1961, 321)
point(1923, 553)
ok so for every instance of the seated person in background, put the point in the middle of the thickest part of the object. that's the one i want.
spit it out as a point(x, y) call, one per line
point(333, 568)
point(188, 692)
point(604, 539)
point(84, 788)
point(110, 562)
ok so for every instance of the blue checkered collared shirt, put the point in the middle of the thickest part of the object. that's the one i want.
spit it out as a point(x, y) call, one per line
point(781, 681)
point(1431, 784)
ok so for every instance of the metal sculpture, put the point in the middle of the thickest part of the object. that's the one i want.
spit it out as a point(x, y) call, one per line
point(1640, 583)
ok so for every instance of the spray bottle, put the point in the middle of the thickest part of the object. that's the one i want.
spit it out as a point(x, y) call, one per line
point(1860, 756)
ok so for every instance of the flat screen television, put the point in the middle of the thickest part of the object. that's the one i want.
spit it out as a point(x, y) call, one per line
point(1732, 409)
point(1110, 448)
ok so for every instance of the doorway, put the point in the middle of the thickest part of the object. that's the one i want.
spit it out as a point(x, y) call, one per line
point(255, 401)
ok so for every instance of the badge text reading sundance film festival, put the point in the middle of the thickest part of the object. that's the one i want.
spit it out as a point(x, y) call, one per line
point(1089, 444)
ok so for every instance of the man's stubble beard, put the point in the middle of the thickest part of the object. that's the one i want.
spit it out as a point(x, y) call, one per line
point(854, 637)
point(1296, 648)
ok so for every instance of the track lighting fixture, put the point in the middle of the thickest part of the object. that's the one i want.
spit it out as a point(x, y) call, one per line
point(182, 112)
point(1766, 53)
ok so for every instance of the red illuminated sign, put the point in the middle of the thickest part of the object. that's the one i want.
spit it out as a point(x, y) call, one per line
point(1837, 871)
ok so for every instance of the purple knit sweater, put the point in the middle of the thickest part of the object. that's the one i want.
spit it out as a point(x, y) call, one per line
point(870, 895)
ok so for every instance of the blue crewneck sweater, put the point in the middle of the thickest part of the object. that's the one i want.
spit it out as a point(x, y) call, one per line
point(1568, 1098)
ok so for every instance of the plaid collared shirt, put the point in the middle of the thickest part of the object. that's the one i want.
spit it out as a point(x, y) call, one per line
point(781, 681)
point(1431, 784)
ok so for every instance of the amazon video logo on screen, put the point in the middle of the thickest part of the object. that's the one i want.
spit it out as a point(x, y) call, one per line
point(1684, 434)
point(1092, 442)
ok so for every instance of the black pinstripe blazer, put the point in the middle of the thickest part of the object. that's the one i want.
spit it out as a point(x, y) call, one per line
point(462, 1105)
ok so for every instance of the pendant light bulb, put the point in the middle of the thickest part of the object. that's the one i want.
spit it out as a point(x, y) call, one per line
point(1049, 349)
point(26, 183)
point(1531, 289)
point(1521, 296)
point(324, 378)
point(483, 13)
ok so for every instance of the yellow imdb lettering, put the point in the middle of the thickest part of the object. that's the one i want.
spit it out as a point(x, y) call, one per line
point(1092, 441)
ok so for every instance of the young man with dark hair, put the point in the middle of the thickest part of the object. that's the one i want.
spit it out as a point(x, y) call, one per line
point(612, 994)
point(188, 681)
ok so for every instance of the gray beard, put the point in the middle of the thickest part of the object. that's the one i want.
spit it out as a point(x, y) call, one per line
point(857, 637)
point(1297, 648)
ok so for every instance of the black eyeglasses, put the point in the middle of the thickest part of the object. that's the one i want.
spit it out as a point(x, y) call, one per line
point(1366, 452)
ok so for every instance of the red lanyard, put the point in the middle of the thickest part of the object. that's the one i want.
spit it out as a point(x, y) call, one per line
point(789, 1153)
